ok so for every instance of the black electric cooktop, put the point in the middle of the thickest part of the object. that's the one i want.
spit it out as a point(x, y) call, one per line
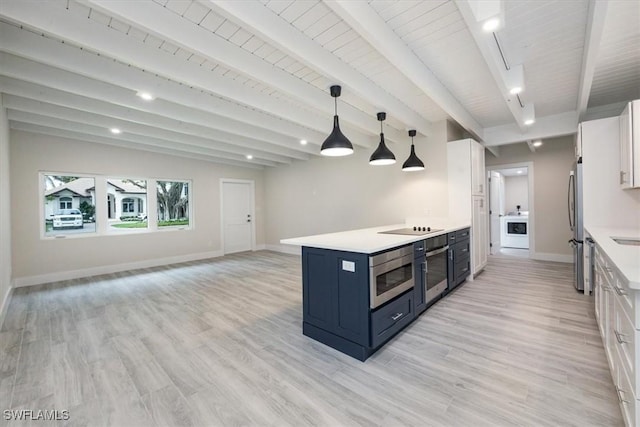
point(412, 231)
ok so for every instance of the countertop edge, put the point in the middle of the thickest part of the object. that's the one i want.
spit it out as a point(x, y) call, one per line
point(629, 270)
point(403, 240)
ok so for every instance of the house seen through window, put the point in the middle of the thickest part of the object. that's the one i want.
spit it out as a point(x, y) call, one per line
point(126, 204)
point(69, 205)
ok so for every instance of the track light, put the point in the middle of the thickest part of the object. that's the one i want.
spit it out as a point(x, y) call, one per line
point(413, 163)
point(336, 143)
point(382, 156)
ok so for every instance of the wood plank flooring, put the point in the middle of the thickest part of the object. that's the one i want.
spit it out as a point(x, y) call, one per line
point(219, 342)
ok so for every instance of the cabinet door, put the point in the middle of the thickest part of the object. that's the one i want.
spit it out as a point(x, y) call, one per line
point(477, 169)
point(479, 234)
point(626, 150)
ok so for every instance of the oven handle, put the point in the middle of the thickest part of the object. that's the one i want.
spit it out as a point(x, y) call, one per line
point(437, 251)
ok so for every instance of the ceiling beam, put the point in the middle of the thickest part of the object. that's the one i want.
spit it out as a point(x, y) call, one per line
point(258, 19)
point(366, 22)
point(132, 139)
point(167, 25)
point(82, 137)
point(127, 127)
point(117, 83)
point(544, 127)
point(530, 145)
point(595, 26)
point(39, 93)
point(52, 18)
point(492, 58)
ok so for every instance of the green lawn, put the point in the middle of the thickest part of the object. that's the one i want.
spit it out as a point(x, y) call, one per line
point(143, 224)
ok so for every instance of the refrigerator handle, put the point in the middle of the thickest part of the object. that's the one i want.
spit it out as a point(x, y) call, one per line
point(569, 201)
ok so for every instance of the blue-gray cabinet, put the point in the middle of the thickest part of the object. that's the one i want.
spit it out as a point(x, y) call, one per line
point(459, 266)
point(336, 308)
point(419, 270)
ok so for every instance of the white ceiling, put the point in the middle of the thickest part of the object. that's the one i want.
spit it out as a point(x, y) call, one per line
point(233, 78)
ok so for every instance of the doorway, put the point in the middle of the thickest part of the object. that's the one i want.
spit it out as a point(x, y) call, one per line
point(511, 210)
point(237, 206)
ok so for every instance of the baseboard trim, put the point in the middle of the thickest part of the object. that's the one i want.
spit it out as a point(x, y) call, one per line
point(5, 305)
point(540, 256)
point(261, 247)
point(108, 269)
point(285, 249)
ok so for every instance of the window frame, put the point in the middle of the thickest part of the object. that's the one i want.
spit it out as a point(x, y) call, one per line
point(101, 217)
point(189, 196)
point(41, 203)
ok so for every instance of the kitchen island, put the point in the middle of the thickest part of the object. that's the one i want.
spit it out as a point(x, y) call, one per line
point(343, 275)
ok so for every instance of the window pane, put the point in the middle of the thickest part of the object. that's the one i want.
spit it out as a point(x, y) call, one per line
point(69, 205)
point(126, 204)
point(173, 203)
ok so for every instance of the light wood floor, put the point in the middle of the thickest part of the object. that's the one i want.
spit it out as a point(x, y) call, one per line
point(219, 342)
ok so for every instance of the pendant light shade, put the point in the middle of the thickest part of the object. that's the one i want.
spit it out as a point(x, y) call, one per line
point(413, 163)
point(382, 156)
point(336, 143)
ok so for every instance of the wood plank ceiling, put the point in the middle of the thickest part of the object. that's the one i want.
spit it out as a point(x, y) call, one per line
point(233, 79)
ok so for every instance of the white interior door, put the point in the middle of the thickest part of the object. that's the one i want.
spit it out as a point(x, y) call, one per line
point(237, 216)
point(496, 208)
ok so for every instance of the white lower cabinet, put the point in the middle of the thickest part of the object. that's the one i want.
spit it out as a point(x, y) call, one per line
point(615, 309)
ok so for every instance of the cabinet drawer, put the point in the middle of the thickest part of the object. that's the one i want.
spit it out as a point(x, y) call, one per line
point(419, 248)
point(462, 234)
point(389, 319)
point(461, 250)
point(452, 238)
point(462, 268)
point(626, 396)
point(626, 341)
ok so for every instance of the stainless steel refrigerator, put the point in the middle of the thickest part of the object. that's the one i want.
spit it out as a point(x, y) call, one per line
point(575, 223)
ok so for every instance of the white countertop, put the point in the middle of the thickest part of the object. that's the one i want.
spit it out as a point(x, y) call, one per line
point(367, 240)
point(626, 258)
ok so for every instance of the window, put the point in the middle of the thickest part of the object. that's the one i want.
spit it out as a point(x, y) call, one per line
point(69, 205)
point(126, 204)
point(66, 203)
point(173, 203)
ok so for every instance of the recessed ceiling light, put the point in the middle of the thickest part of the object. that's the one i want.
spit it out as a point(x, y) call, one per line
point(529, 122)
point(249, 157)
point(491, 25)
point(115, 131)
point(303, 141)
point(515, 90)
point(146, 96)
point(537, 144)
point(519, 171)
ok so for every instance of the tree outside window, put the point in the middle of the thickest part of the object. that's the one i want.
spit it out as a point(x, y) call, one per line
point(173, 203)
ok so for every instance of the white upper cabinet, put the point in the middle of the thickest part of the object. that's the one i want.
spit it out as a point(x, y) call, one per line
point(477, 170)
point(630, 146)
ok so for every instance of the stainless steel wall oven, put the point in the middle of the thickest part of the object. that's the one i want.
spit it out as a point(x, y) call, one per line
point(436, 271)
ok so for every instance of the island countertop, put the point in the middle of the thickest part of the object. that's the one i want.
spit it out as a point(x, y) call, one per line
point(368, 240)
point(626, 258)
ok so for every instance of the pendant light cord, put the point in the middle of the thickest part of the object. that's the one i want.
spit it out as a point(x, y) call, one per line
point(335, 106)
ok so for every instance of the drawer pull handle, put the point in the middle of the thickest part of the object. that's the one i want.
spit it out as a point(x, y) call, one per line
point(620, 392)
point(396, 316)
point(620, 291)
point(619, 337)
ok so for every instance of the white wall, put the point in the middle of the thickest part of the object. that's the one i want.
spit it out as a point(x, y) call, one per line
point(516, 192)
point(329, 194)
point(551, 164)
point(37, 260)
point(5, 211)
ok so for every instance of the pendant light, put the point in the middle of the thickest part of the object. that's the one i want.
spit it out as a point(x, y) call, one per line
point(382, 156)
point(413, 163)
point(336, 143)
